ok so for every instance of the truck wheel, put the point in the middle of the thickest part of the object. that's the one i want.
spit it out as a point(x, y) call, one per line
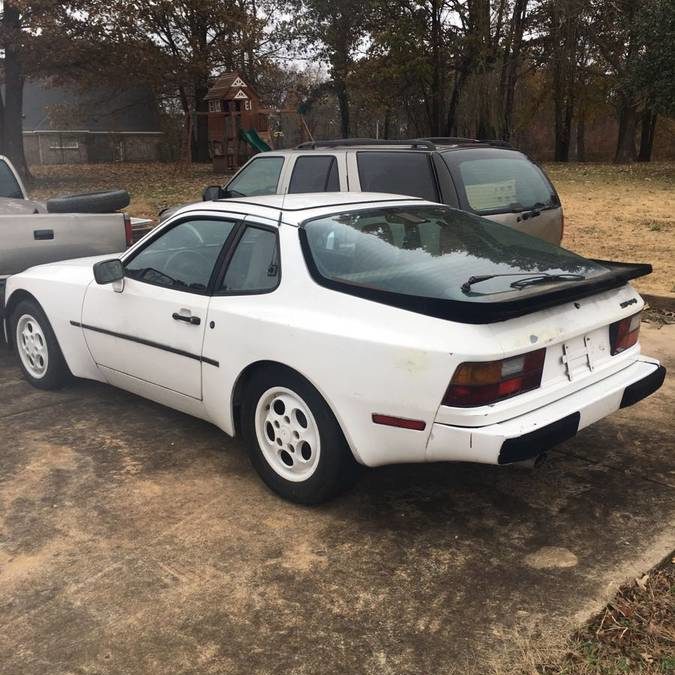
point(293, 439)
point(89, 202)
point(40, 356)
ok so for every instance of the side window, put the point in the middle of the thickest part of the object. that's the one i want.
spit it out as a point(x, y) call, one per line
point(182, 258)
point(401, 173)
point(315, 174)
point(254, 266)
point(260, 177)
point(9, 187)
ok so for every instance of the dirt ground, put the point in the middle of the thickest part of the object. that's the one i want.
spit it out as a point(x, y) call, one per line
point(135, 539)
point(612, 212)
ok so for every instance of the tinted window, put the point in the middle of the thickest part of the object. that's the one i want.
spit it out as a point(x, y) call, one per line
point(500, 182)
point(184, 256)
point(9, 187)
point(401, 173)
point(255, 263)
point(431, 251)
point(260, 177)
point(315, 174)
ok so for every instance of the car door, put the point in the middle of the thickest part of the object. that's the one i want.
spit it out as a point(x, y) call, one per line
point(251, 272)
point(153, 330)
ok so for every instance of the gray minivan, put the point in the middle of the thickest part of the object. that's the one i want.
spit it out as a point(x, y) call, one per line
point(488, 178)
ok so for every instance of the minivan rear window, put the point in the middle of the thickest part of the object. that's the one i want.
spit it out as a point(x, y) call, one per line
point(499, 181)
point(430, 252)
point(399, 173)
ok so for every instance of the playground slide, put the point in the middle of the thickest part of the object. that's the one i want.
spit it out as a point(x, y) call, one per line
point(252, 138)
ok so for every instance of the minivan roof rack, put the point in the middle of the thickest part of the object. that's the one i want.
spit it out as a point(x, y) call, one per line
point(346, 142)
point(458, 140)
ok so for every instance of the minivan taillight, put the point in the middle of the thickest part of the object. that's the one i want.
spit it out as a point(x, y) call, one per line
point(483, 382)
point(128, 232)
point(624, 334)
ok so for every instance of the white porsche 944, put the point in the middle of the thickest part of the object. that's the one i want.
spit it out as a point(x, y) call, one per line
point(332, 330)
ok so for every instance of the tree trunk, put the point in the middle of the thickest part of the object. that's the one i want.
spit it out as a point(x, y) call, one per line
point(511, 63)
point(625, 146)
point(647, 135)
point(484, 65)
point(12, 127)
point(563, 132)
point(200, 138)
point(435, 68)
point(343, 104)
point(460, 78)
point(186, 150)
point(581, 134)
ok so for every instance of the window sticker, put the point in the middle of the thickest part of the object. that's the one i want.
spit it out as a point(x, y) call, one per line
point(486, 196)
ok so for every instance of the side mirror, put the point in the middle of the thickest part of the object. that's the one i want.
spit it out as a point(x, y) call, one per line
point(212, 193)
point(108, 271)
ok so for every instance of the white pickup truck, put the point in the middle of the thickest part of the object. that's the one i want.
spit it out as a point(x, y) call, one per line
point(74, 226)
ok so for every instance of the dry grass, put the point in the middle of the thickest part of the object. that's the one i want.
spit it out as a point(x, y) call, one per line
point(635, 633)
point(614, 212)
point(152, 186)
point(621, 213)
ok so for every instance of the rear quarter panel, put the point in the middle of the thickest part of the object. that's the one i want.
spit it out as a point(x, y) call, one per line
point(363, 357)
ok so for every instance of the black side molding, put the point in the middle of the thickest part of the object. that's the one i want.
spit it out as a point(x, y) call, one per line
point(643, 388)
point(147, 343)
point(537, 441)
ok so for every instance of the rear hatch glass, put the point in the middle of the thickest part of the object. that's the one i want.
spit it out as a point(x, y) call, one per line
point(499, 181)
point(445, 262)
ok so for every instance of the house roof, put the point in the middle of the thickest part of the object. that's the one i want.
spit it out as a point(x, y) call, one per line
point(48, 108)
point(230, 87)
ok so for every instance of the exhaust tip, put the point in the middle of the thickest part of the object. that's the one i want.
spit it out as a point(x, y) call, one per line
point(532, 462)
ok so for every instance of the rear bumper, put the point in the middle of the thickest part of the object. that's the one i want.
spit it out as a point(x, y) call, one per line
point(531, 434)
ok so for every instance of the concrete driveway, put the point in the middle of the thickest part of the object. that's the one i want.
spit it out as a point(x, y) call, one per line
point(134, 539)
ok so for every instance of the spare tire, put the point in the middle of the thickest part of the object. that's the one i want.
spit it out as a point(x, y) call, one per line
point(89, 202)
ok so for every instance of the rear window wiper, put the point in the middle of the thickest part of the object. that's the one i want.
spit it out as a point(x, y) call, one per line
point(521, 283)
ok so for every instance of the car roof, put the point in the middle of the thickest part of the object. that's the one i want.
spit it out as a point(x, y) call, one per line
point(296, 208)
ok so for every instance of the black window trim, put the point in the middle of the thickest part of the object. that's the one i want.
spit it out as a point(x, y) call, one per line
point(222, 266)
point(465, 311)
point(334, 162)
point(258, 158)
point(437, 188)
point(208, 291)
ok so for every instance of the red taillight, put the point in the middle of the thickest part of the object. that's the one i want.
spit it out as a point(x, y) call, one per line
point(482, 382)
point(624, 334)
point(562, 223)
point(128, 233)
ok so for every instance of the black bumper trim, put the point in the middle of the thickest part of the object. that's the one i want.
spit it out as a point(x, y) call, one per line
point(643, 388)
point(537, 441)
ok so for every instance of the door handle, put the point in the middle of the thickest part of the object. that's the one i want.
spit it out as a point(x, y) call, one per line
point(43, 234)
point(193, 320)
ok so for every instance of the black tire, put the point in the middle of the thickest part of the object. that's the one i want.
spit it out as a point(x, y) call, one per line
point(56, 373)
point(336, 470)
point(89, 202)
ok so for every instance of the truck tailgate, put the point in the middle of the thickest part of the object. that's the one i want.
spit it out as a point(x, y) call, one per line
point(28, 240)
